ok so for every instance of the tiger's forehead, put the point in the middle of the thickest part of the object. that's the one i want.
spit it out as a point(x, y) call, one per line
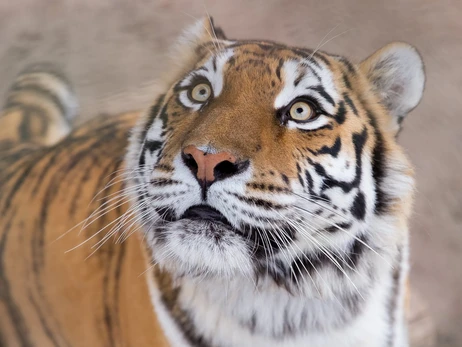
point(292, 72)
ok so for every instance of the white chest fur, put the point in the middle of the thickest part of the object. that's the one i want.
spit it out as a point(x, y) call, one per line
point(237, 314)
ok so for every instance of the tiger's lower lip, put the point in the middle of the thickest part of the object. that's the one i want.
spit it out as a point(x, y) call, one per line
point(206, 213)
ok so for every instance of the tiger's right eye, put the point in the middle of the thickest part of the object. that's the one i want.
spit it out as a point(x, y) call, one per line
point(201, 92)
point(301, 111)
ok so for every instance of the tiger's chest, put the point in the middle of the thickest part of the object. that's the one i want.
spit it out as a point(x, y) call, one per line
point(237, 317)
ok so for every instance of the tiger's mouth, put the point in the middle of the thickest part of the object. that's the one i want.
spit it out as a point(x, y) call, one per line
point(206, 213)
point(201, 243)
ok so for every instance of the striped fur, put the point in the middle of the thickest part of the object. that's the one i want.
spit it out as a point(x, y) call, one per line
point(49, 297)
point(307, 243)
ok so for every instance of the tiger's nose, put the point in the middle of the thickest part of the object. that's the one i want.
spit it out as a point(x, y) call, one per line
point(211, 167)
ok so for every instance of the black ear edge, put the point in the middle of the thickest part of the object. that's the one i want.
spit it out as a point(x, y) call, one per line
point(217, 31)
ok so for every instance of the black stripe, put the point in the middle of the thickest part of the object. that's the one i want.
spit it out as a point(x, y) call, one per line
point(358, 209)
point(169, 297)
point(117, 281)
point(341, 261)
point(14, 312)
point(359, 140)
point(333, 151)
point(152, 145)
point(43, 322)
point(395, 291)
point(322, 57)
point(162, 182)
point(38, 255)
point(25, 130)
point(104, 175)
point(298, 79)
point(382, 199)
point(257, 202)
point(154, 111)
point(348, 65)
point(17, 185)
point(108, 317)
point(50, 164)
point(111, 281)
point(100, 136)
point(2, 339)
point(13, 162)
point(309, 181)
point(164, 167)
point(41, 92)
point(350, 103)
point(338, 227)
point(346, 81)
point(341, 113)
point(278, 69)
point(320, 89)
point(28, 112)
point(314, 73)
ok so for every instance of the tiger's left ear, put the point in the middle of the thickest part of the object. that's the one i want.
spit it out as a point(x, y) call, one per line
point(397, 75)
point(202, 31)
point(217, 31)
point(187, 49)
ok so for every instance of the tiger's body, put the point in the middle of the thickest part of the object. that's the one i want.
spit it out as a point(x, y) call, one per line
point(265, 189)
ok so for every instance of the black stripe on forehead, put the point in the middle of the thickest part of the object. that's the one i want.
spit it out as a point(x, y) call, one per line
point(312, 71)
point(320, 89)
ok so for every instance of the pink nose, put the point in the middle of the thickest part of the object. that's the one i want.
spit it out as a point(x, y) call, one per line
point(205, 165)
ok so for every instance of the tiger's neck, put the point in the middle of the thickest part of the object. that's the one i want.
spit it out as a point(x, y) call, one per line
point(330, 311)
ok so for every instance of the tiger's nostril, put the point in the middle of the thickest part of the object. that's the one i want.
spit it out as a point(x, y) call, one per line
point(190, 162)
point(227, 169)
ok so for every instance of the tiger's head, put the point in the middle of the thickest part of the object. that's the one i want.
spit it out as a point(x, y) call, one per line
point(264, 158)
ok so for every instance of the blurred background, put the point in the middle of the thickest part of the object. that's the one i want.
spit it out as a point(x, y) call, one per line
point(113, 50)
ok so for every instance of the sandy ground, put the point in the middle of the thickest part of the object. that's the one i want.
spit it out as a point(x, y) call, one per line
point(113, 50)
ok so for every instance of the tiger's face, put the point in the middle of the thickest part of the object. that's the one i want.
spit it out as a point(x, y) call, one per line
point(263, 159)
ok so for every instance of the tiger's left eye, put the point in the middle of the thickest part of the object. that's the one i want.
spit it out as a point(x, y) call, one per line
point(201, 92)
point(301, 111)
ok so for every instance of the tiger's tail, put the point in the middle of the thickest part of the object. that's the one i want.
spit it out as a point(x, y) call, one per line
point(39, 107)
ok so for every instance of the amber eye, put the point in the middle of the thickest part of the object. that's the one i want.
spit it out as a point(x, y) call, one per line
point(301, 111)
point(201, 92)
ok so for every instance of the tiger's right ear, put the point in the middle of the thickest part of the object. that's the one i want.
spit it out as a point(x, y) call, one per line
point(187, 48)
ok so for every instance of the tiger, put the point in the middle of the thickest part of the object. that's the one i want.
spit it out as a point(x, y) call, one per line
point(261, 200)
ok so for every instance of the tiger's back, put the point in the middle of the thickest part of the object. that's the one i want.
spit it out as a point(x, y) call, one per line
point(50, 297)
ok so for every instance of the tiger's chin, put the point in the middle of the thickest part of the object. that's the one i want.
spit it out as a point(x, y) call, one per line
point(201, 247)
